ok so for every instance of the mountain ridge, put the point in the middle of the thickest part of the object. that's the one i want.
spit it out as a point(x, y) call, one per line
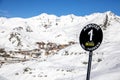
point(45, 27)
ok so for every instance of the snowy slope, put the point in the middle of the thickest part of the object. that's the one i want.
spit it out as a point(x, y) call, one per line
point(47, 28)
point(71, 66)
point(69, 63)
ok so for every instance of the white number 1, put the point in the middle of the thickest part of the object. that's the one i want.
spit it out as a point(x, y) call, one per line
point(91, 34)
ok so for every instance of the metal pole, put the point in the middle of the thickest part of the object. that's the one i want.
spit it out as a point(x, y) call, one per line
point(89, 66)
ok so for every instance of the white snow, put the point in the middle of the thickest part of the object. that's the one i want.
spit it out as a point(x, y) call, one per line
point(69, 63)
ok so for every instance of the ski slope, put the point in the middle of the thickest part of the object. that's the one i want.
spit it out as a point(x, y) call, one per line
point(69, 63)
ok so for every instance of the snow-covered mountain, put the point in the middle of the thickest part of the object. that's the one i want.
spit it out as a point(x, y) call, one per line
point(40, 36)
point(23, 34)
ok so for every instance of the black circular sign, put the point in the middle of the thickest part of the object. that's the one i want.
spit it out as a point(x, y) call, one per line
point(91, 37)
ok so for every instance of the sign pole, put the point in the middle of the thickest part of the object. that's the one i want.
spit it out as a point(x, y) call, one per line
point(89, 65)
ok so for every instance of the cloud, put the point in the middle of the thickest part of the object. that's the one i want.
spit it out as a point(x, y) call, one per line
point(4, 13)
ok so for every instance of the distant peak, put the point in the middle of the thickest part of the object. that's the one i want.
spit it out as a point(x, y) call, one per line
point(109, 13)
point(44, 14)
